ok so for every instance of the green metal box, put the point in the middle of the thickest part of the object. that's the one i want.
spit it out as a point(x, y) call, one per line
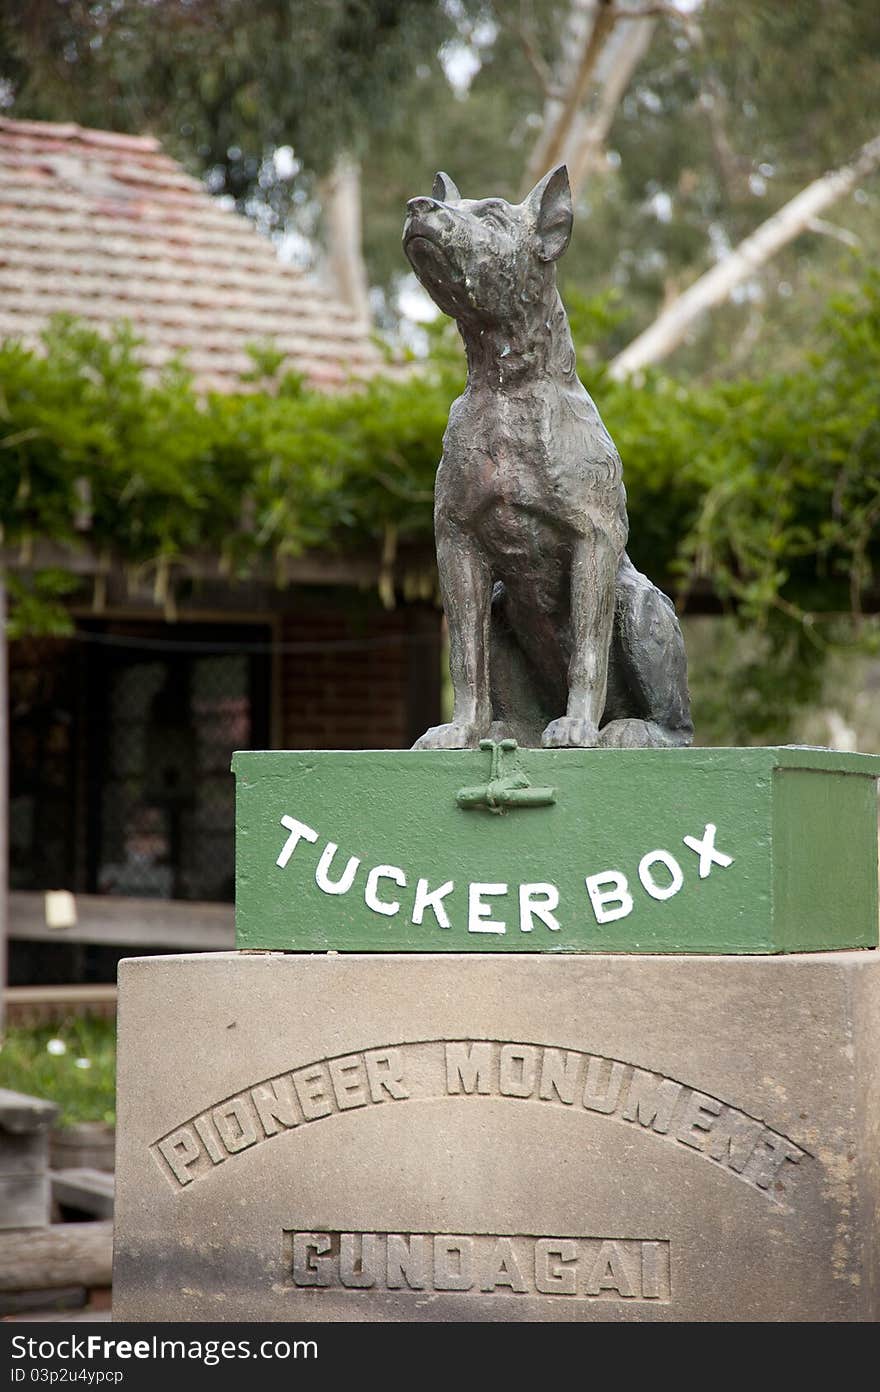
point(569, 850)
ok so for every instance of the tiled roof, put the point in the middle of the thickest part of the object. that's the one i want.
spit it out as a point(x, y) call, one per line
point(107, 227)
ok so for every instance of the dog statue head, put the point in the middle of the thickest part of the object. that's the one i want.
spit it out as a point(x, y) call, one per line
point(484, 261)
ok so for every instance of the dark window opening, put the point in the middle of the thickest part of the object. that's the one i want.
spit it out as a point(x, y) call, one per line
point(121, 747)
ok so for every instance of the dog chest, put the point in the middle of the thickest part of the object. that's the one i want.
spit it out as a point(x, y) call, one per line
point(523, 473)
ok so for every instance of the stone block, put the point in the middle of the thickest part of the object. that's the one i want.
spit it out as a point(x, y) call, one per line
point(21, 1114)
point(84, 1190)
point(24, 1201)
point(23, 1152)
point(567, 850)
point(470, 1137)
point(84, 1145)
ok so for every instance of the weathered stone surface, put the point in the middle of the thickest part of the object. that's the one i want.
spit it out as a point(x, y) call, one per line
point(84, 1145)
point(24, 1150)
point(498, 1138)
point(86, 1190)
point(21, 1114)
point(600, 850)
point(24, 1200)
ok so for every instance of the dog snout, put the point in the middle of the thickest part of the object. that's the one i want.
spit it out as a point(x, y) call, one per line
point(420, 207)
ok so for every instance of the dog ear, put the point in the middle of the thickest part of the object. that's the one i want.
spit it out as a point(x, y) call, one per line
point(550, 201)
point(444, 189)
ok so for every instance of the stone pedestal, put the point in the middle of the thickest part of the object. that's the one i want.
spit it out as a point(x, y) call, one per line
point(499, 1137)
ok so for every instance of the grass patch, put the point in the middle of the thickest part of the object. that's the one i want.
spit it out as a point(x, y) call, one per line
point(72, 1063)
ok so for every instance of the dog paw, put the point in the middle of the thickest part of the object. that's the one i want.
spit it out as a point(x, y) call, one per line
point(641, 734)
point(449, 737)
point(570, 732)
point(628, 734)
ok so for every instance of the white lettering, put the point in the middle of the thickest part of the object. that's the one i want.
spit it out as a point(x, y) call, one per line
point(616, 894)
point(705, 849)
point(531, 906)
point(344, 883)
point(432, 899)
point(656, 890)
point(371, 897)
point(298, 831)
point(478, 912)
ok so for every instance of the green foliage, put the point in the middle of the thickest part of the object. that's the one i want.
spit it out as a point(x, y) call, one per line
point(748, 684)
point(764, 492)
point(73, 1064)
point(790, 483)
point(36, 603)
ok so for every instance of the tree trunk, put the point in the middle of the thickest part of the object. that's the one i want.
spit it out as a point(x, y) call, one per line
point(621, 55)
point(586, 27)
point(598, 52)
point(344, 266)
point(66, 1254)
point(670, 327)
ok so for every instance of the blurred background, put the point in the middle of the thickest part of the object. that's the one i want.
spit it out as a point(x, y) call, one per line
point(222, 392)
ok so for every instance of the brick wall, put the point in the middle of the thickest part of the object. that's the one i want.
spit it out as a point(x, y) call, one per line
point(366, 679)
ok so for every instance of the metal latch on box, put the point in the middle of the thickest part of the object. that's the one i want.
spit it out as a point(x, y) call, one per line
point(511, 789)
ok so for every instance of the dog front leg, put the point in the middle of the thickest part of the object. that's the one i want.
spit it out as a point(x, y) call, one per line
point(466, 586)
point(593, 571)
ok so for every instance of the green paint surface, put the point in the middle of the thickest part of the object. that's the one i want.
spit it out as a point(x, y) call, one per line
point(799, 827)
point(824, 832)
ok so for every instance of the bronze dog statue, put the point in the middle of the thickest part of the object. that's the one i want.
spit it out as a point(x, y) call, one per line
point(555, 638)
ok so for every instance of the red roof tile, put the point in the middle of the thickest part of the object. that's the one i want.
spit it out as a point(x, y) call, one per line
point(107, 227)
